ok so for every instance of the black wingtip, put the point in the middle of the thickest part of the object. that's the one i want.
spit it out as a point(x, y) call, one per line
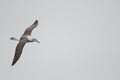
point(13, 63)
point(36, 21)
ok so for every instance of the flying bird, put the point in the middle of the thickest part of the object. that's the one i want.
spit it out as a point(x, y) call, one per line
point(26, 37)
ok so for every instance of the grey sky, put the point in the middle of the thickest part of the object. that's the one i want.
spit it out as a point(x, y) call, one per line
point(80, 39)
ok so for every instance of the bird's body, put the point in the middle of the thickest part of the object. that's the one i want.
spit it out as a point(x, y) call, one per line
point(29, 38)
point(26, 37)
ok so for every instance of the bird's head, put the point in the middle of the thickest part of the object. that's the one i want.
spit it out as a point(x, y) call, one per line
point(35, 40)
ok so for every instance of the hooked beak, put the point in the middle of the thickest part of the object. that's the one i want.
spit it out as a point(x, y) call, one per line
point(37, 41)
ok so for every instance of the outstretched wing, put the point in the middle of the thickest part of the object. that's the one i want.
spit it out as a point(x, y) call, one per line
point(29, 29)
point(18, 50)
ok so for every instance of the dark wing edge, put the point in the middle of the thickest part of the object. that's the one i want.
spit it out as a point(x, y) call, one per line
point(29, 29)
point(18, 50)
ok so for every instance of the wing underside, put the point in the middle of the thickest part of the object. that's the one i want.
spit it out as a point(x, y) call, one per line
point(18, 50)
point(29, 29)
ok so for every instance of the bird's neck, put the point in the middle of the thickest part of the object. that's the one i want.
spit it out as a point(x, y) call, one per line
point(30, 38)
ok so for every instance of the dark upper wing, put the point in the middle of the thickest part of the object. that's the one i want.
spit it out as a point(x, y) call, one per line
point(29, 29)
point(18, 50)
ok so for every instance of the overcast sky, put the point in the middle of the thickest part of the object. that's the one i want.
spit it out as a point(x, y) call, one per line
point(80, 39)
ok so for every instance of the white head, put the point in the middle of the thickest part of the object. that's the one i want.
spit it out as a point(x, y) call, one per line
point(31, 39)
point(35, 40)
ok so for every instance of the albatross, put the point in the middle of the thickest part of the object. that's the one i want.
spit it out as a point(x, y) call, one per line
point(26, 37)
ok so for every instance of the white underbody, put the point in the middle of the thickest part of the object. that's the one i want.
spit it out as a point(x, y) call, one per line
point(30, 38)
